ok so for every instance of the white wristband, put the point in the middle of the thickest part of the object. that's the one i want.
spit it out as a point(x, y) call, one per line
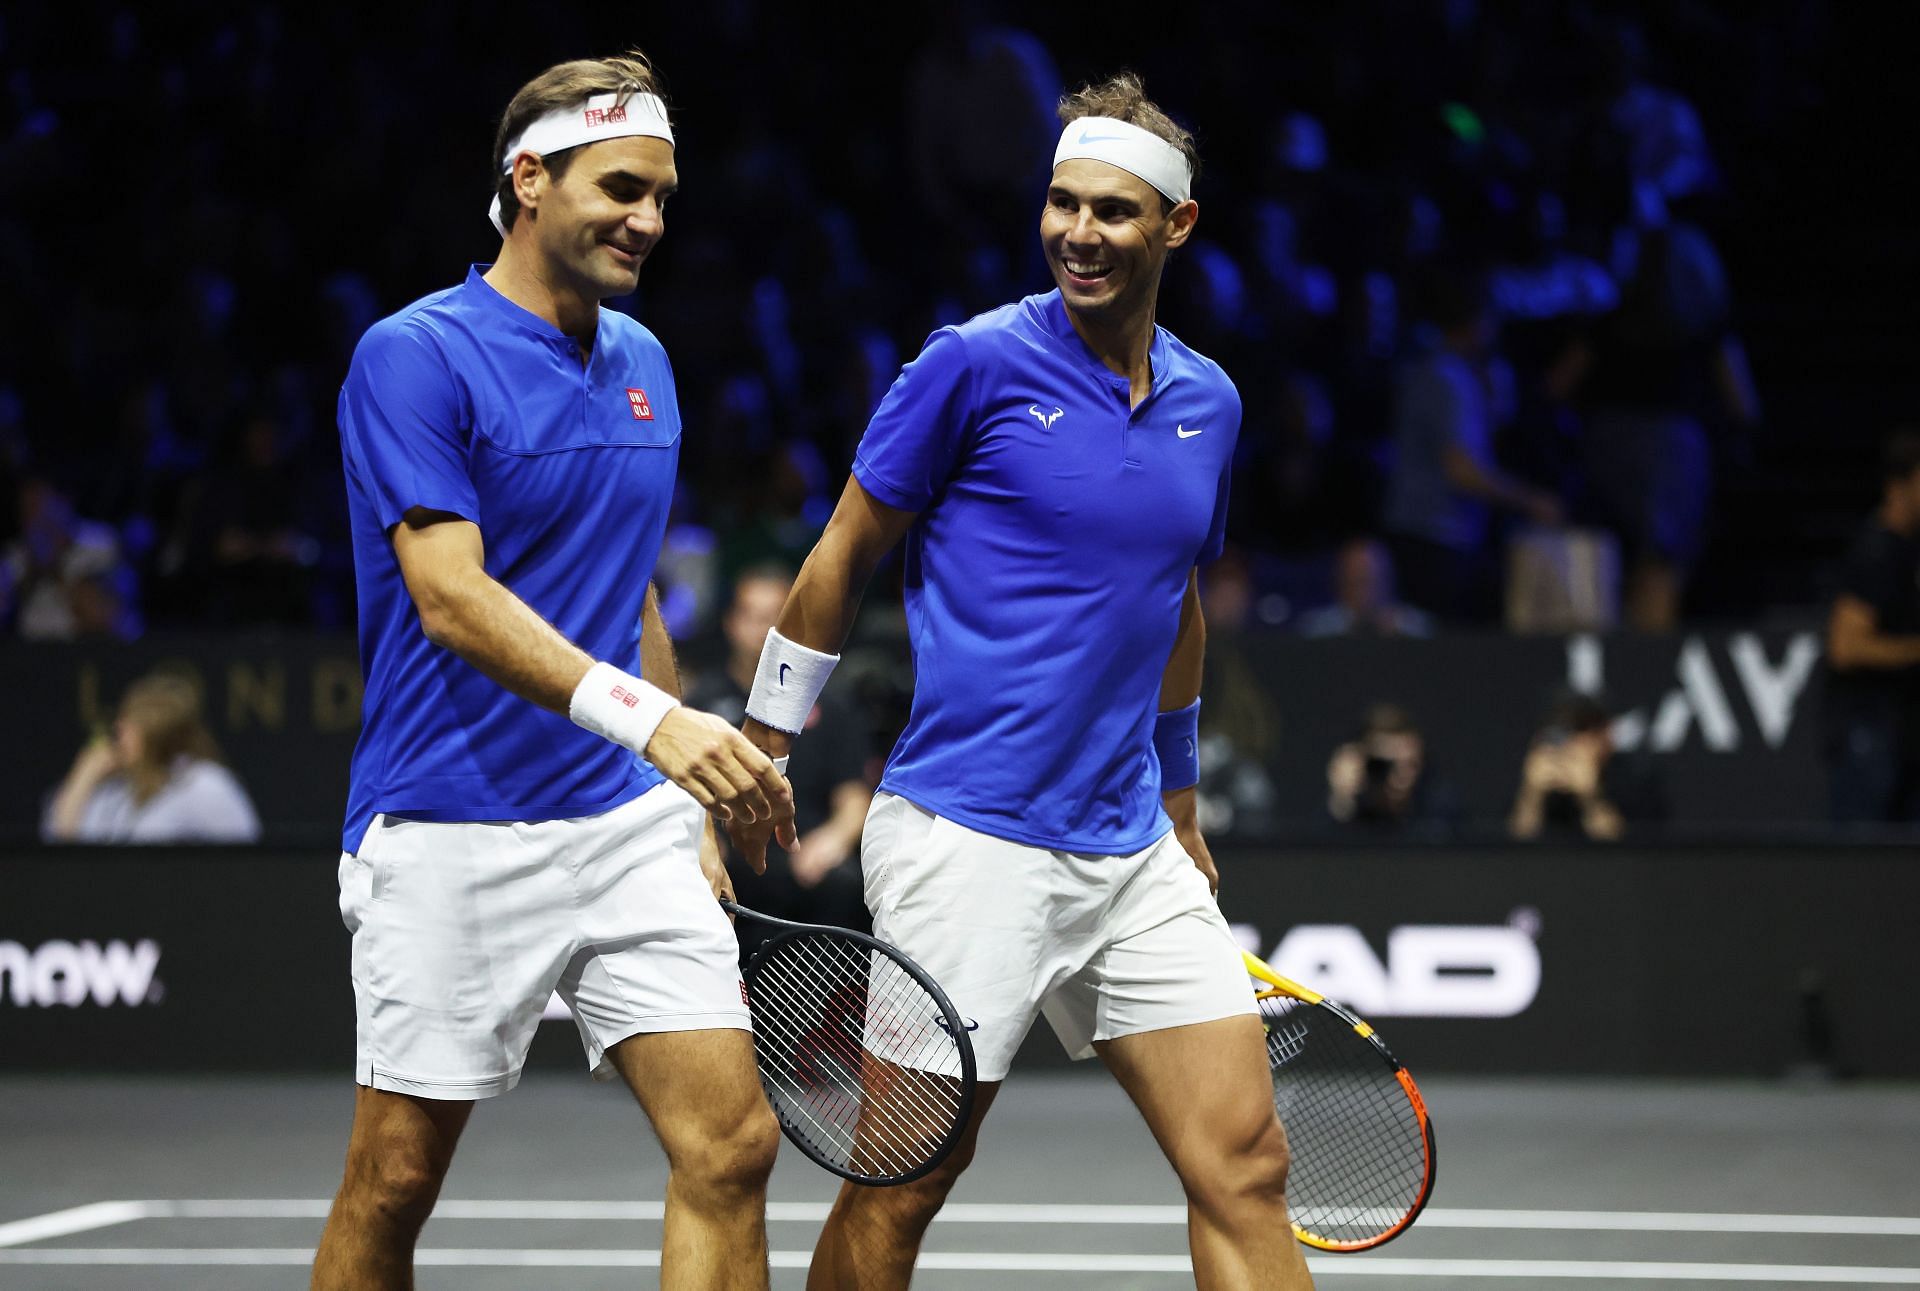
point(787, 683)
point(780, 763)
point(619, 706)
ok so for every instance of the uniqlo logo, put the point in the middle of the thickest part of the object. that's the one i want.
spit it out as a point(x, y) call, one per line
point(625, 696)
point(637, 400)
point(605, 116)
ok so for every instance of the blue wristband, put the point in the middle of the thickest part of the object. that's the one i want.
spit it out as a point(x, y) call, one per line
point(1176, 740)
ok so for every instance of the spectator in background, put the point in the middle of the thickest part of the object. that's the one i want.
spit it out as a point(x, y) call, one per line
point(1444, 483)
point(1873, 654)
point(257, 560)
point(1364, 604)
point(1572, 784)
point(1652, 377)
point(819, 881)
point(1382, 778)
point(63, 577)
point(156, 779)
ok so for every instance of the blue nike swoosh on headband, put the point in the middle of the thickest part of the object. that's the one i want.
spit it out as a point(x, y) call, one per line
point(1100, 138)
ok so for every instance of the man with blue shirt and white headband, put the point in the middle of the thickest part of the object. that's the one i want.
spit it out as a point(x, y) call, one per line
point(529, 801)
point(1058, 468)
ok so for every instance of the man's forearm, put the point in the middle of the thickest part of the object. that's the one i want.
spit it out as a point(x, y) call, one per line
point(658, 666)
point(482, 621)
point(1186, 664)
point(1875, 650)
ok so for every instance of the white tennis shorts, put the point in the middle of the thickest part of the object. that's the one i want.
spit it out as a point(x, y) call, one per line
point(463, 930)
point(1105, 946)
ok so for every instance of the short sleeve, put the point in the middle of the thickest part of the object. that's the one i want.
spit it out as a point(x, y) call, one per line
point(917, 433)
point(1217, 527)
point(401, 428)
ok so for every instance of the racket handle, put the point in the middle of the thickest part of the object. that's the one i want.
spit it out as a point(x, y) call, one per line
point(1257, 967)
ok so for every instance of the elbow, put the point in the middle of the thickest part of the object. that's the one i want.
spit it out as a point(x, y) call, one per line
point(438, 623)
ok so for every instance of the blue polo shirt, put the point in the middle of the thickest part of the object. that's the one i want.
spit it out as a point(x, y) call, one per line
point(465, 402)
point(1057, 529)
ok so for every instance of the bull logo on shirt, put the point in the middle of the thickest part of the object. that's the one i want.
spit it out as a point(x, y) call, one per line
point(1046, 418)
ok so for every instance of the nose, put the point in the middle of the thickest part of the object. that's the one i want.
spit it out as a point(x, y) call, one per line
point(647, 217)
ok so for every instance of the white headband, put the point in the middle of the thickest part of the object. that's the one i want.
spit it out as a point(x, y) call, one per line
point(601, 117)
point(1136, 151)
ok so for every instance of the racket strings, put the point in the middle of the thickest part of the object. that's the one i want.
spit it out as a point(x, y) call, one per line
point(854, 1054)
point(1359, 1148)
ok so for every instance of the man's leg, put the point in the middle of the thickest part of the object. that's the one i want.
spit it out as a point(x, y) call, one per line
point(701, 1091)
point(397, 1157)
point(872, 1235)
point(1206, 1095)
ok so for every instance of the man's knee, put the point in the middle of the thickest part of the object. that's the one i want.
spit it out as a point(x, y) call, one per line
point(916, 1203)
point(737, 1159)
point(394, 1185)
point(1250, 1167)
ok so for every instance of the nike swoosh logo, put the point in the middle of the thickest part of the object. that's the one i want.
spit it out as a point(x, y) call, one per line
point(1184, 433)
point(1101, 138)
point(783, 673)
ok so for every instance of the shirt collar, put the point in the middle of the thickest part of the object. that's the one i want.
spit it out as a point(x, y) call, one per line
point(478, 289)
point(1051, 312)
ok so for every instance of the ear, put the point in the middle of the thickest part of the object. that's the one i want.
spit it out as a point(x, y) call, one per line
point(530, 180)
point(1182, 218)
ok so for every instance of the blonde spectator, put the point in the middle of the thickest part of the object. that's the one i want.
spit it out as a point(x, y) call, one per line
point(156, 779)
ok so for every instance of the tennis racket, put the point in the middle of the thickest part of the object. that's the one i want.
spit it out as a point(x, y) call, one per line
point(866, 1062)
point(1363, 1160)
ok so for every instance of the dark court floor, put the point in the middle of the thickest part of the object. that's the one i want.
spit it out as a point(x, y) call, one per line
point(220, 1184)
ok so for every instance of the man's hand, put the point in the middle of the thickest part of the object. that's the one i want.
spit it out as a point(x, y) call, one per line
point(713, 864)
point(725, 774)
point(1183, 805)
point(750, 837)
point(821, 852)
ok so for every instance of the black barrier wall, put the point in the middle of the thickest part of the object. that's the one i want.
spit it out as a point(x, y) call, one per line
point(1727, 722)
point(1552, 960)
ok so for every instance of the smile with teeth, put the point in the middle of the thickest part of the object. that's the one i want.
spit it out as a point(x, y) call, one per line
point(1087, 269)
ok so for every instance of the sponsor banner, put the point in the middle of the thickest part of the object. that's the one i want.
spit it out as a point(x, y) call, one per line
point(1552, 959)
point(1728, 723)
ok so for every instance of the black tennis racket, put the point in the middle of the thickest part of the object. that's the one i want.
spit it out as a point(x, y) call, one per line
point(865, 1060)
point(1363, 1160)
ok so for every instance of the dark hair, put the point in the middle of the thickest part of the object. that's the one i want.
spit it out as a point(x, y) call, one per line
point(1579, 713)
point(1900, 457)
point(1389, 719)
point(1124, 98)
point(564, 85)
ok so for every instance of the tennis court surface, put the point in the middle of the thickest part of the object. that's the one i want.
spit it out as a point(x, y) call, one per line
point(221, 1184)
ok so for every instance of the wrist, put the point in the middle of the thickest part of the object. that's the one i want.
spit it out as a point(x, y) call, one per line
point(1176, 744)
point(775, 744)
point(787, 683)
point(619, 706)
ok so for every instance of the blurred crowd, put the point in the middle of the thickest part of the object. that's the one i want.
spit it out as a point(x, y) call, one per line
point(1467, 262)
point(1461, 259)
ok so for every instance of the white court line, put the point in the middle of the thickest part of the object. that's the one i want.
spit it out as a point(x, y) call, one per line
point(1018, 1262)
point(1642, 1221)
point(78, 1219)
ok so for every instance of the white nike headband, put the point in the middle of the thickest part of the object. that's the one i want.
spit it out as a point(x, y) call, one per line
point(603, 116)
point(1136, 151)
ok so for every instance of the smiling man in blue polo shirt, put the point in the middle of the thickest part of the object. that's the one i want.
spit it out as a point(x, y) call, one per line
point(1058, 468)
point(510, 449)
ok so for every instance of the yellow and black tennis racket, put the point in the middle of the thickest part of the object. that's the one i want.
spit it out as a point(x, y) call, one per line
point(1362, 1142)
